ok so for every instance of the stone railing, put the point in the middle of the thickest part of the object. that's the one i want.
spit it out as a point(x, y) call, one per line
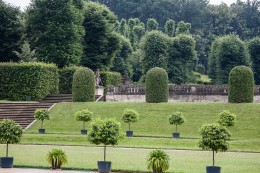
point(176, 90)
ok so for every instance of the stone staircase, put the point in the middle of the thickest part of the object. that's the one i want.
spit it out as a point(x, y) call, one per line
point(21, 112)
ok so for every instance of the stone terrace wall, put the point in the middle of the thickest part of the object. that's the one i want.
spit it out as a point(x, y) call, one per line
point(182, 93)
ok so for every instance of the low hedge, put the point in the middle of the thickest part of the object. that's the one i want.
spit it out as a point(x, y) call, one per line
point(36, 80)
point(110, 78)
point(241, 85)
point(66, 78)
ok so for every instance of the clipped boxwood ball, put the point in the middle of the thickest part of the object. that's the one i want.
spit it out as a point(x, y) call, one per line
point(83, 85)
point(156, 85)
point(241, 85)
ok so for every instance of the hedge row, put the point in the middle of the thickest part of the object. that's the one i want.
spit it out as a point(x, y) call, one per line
point(110, 78)
point(66, 78)
point(19, 80)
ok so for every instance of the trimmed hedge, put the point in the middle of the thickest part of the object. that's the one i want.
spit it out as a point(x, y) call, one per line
point(19, 80)
point(66, 78)
point(241, 85)
point(83, 85)
point(110, 78)
point(156, 84)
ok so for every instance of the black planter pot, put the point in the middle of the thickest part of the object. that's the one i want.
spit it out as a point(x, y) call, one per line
point(213, 169)
point(6, 162)
point(175, 135)
point(84, 132)
point(104, 167)
point(41, 131)
point(129, 133)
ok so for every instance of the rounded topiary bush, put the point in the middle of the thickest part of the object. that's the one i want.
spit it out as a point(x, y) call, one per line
point(156, 84)
point(83, 85)
point(241, 85)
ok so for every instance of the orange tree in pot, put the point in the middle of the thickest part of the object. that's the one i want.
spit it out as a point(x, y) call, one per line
point(10, 133)
point(106, 132)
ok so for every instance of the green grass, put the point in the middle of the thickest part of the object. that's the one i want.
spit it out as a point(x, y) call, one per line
point(82, 157)
point(154, 118)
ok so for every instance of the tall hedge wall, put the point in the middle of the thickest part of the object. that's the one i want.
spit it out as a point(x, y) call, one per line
point(110, 78)
point(83, 85)
point(18, 80)
point(156, 85)
point(66, 78)
point(241, 85)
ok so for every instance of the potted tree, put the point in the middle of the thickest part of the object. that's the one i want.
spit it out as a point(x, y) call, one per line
point(10, 133)
point(227, 119)
point(176, 119)
point(41, 115)
point(215, 138)
point(106, 132)
point(158, 161)
point(57, 157)
point(84, 116)
point(130, 116)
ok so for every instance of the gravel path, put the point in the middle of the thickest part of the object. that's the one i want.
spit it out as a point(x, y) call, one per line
point(27, 170)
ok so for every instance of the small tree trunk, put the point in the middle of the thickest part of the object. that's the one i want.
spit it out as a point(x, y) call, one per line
point(83, 125)
point(176, 129)
point(105, 148)
point(129, 126)
point(6, 149)
point(213, 158)
point(42, 125)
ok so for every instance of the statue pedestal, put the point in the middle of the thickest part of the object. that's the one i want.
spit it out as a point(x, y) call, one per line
point(99, 90)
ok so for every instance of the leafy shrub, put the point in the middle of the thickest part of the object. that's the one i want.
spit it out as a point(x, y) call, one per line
point(66, 78)
point(158, 161)
point(83, 86)
point(130, 116)
point(110, 78)
point(215, 138)
point(227, 119)
point(241, 85)
point(177, 119)
point(41, 115)
point(107, 132)
point(10, 133)
point(156, 84)
point(28, 79)
point(84, 115)
point(57, 157)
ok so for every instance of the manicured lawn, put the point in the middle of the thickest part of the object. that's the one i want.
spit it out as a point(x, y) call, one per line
point(82, 157)
point(64, 129)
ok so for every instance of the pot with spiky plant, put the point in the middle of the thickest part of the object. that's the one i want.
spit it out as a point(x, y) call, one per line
point(41, 115)
point(158, 161)
point(227, 119)
point(176, 119)
point(10, 133)
point(130, 116)
point(84, 116)
point(106, 132)
point(215, 138)
point(57, 157)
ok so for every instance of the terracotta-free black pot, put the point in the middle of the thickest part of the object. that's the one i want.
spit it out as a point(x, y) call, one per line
point(84, 132)
point(175, 135)
point(213, 169)
point(104, 167)
point(129, 133)
point(6, 162)
point(41, 131)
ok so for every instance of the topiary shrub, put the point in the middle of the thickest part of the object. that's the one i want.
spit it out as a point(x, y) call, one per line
point(241, 85)
point(84, 116)
point(156, 85)
point(227, 119)
point(66, 78)
point(110, 78)
point(83, 85)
